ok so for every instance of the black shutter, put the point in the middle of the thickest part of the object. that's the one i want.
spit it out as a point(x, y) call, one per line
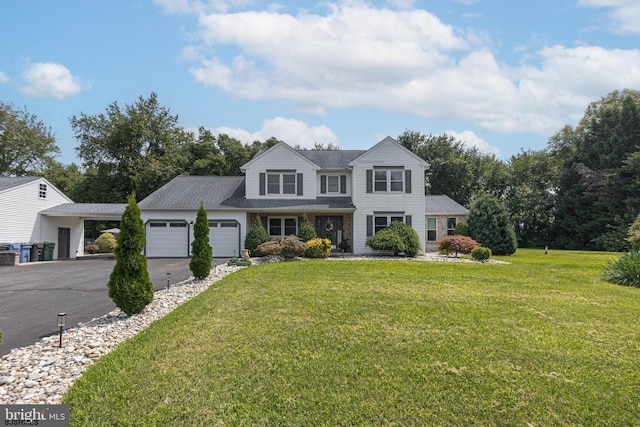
point(343, 184)
point(262, 184)
point(407, 219)
point(369, 181)
point(369, 225)
point(407, 181)
point(300, 192)
point(323, 184)
point(298, 225)
point(263, 219)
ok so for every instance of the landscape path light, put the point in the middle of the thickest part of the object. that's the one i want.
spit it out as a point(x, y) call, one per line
point(62, 320)
point(168, 280)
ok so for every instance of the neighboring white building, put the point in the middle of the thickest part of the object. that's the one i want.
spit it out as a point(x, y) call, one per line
point(346, 194)
point(22, 199)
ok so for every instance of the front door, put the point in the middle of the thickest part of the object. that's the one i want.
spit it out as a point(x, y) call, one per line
point(329, 227)
point(64, 241)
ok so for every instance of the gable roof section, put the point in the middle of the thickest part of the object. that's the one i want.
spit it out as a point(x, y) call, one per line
point(280, 144)
point(443, 205)
point(186, 192)
point(389, 140)
point(332, 159)
point(9, 182)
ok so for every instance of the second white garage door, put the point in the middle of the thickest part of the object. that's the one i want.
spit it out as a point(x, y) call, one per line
point(224, 237)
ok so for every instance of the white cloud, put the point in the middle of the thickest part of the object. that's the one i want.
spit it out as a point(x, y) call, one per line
point(470, 139)
point(50, 80)
point(624, 13)
point(293, 132)
point(404, 61)
point(4, 78)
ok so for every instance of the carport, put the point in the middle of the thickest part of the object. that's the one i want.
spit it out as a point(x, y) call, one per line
point(64, 225)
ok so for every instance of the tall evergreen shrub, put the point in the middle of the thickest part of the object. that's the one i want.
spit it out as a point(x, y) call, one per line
point(256, 235)
point(129, 285)
point(490, 225)
point(201, 251)
point(306, 231)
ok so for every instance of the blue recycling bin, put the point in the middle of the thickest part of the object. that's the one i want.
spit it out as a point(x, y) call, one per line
point(25, 252)
point(15, 247)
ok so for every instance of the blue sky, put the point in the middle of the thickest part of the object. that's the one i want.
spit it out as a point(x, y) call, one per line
point(500, 75)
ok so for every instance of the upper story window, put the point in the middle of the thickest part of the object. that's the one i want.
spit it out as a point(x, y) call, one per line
point(281, 182)
point(333, 184)
point(451, 226)
point(389, 180)
point(42, 191)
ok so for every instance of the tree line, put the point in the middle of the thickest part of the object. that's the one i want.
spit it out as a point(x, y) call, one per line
point(581, 192)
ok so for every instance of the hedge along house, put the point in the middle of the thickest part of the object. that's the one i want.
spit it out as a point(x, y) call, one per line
point(347, 195)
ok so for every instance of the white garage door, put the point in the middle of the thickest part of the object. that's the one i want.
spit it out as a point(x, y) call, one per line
point(167, 239)
point(224, 237)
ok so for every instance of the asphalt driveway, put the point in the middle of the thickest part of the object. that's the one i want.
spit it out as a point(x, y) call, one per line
point(31, 295)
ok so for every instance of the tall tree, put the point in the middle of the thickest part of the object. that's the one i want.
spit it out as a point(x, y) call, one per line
point(67, 178)
point(456, 170)
point(597, 197)
point(531, 196)
point(26, 144)
point(131, 150)
point(130, 287)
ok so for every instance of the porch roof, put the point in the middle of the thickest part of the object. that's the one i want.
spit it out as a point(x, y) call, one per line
point(87, 210)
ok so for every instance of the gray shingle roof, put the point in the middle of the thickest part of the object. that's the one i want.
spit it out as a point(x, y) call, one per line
point(186, 193)
point(7, 182)
point(86, 209)
point(331, 159)
point(226, 192)
point(443, 205)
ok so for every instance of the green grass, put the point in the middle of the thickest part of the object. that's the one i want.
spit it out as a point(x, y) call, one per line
point(541, 342)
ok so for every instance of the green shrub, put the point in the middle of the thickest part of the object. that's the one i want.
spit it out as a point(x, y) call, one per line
point(481, 254)
point(344, 245)
point(490, 224)
point(633, 234)
point(461, 229)
point(106, 243)
point(129, 285)
point(256, 235)
point(286, 247)
point(318, 248)
point(202, 253)
point(0, 337)
point(456, 245)
point(239, 262)
point(91, 249)
point(306, 231)
point(397, 238)
point(624, 270)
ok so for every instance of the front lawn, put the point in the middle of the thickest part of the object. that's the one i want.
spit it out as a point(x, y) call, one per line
point(542, 341)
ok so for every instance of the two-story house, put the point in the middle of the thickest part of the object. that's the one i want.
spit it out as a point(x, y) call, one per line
point(347, 194)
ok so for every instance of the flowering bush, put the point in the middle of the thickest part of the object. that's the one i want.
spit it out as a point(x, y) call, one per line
point(457, 244)
point(318, 248)
point(91, 249)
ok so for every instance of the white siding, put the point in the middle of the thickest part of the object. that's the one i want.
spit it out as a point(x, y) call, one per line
point(386, 154)
point(333, 172)
point(19, 211)
point(280, 157)
point(49, 233)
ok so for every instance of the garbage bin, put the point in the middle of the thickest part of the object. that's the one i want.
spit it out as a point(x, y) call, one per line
point(15, 247)
point(36, 252)
point(25, 252)
point(47, 251)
